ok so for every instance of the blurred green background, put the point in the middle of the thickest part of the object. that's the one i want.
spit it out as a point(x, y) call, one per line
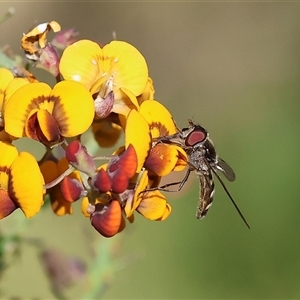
point(235, 69)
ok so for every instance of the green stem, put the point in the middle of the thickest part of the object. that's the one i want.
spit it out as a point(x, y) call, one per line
point(8, 14)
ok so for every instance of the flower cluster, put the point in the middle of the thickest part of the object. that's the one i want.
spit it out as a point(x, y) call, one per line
point(101, 89)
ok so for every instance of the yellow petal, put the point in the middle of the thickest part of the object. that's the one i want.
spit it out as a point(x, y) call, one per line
point(153, 205)
point(148, 92)
point(41, 28)
point(137, 133)
point(26, 184)
point(59, 205)
point(9, 153)
point(182, 159)
point(79, 62)
point(84, 205)
point(158, 117)
point(128, 66)
point(161, 159)
point(20, 105)
point(48, 126)
point(13, 86)
point(124, 102)
point(74, 108)
point(54, 26)
point(6, 77)
point(167, 212)
point(141, 185)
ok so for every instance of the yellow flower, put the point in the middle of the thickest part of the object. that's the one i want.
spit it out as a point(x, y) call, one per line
point(36, 39)
point(48, 115)
point(118, 67)
point(152, 205)
point(21, 182)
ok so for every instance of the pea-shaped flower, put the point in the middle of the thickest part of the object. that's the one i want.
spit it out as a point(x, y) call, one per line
point(48, 115)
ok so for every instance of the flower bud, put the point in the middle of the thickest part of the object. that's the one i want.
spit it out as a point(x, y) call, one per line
point(107, 220)
point(71, 189)
point(102, 181)
point(78, 157)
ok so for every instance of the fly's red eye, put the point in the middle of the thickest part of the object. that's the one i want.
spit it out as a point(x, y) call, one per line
point(195, 137)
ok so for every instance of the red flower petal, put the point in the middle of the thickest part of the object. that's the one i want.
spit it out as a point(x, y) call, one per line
point(79, 157)
point(72, 150)
point(107, 220)
point(71, 189)
point(119, 180)
point(128, 161)
point(102, 181)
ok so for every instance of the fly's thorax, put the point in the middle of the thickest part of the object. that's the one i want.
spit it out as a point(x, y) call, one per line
point(198, 161)
point(210, 151)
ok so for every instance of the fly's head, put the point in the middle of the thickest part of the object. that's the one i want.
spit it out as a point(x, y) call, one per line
point(194, 136)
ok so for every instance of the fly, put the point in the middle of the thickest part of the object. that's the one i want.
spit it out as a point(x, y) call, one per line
point(205, 162)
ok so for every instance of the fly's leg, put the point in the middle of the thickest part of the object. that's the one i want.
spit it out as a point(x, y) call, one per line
point(164, 188)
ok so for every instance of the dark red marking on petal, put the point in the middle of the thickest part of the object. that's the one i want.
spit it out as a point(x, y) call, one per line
point(49, 135)
point(31, 126)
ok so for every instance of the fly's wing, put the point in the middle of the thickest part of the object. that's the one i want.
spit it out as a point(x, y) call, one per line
point(227, 171)
point(207, 191)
